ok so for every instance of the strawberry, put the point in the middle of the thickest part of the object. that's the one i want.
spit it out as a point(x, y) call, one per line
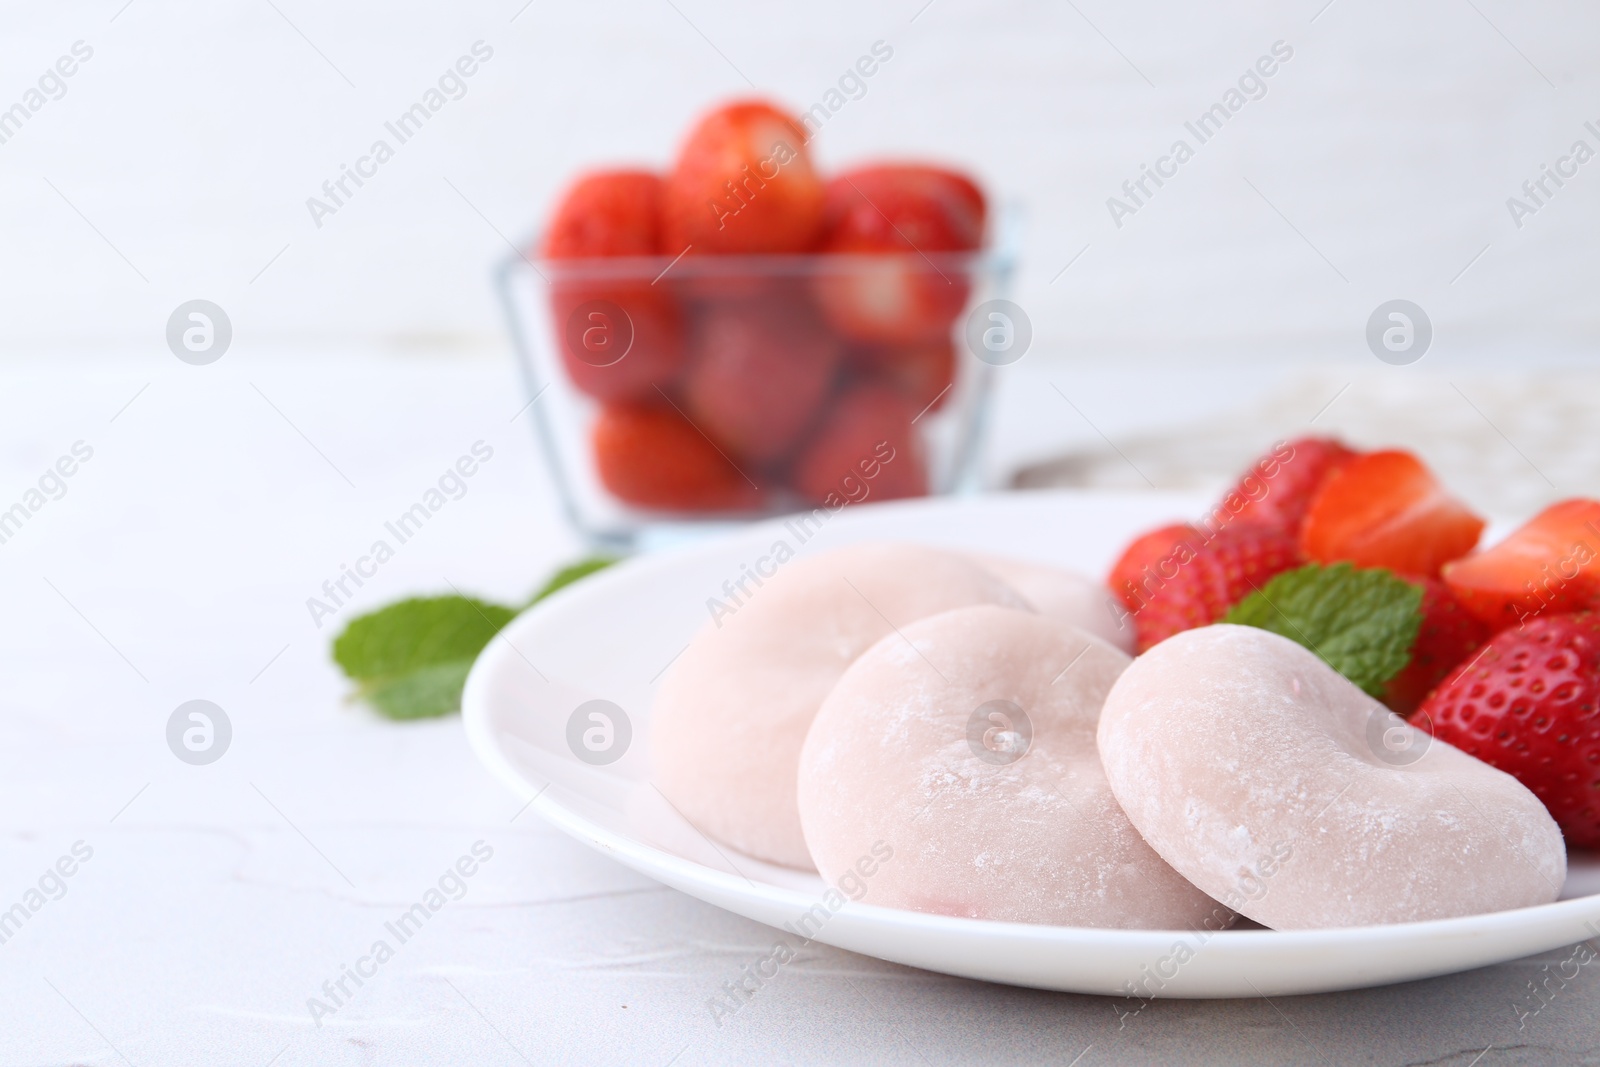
point(1447, 636)
point(914, 212)
point(865, 447)
point(606, 213)
point(1234, 563)
point(651, 456)
point(926, 373)
point(760, 371)
point(617, 339)
point(743, 184)
point(1529, 704)
point(1150, 560)
point(893, 300)
point(1278, 487)
point(1550, 564)
point(902, 208)
point(1386, 509)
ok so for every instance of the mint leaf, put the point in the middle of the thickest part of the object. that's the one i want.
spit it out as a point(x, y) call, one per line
point(1361, 622)
point(424, 693)
point(410, 660)
point(571, 573)
point(414, 633)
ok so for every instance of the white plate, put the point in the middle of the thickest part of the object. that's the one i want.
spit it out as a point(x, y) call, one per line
point(611, 636)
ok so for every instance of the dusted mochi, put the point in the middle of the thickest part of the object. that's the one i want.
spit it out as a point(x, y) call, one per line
point(1065, 595)
point(732, 712)
point(990, 814)
point(1277, 786)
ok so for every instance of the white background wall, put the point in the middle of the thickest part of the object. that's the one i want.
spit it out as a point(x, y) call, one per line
point(1390, 141)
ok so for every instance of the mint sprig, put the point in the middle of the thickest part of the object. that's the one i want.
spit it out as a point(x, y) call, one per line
point(1362, 623)
point(410, 659)
point(572, 572)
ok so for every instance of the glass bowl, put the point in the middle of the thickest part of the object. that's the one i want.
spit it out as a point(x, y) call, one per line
point(670, 395)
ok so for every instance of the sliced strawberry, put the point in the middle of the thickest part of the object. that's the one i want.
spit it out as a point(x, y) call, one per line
point(903, 215)
point(1551, 564)
point(1386, 509)
point(866, 447)
point(743, 183)
point(759, 373)
point(1151, 561)
point(653, 457)
point(1237, 561)
point(1529, 704)
point(1447, 636)
point(1279, 487)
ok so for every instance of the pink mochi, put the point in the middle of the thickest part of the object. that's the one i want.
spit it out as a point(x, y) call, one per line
point(732, 712)
point(1066, 596)
point(1277, 786)
point(990, 813)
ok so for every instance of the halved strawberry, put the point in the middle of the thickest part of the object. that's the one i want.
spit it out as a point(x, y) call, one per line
point(652, 456)
point(1279, 487)
point(1448, 635)
point(1550, 565)
point(1152, 560)
point(1234, 563)
point(1386, 509)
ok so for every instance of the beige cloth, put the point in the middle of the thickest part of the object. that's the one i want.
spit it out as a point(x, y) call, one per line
point(1506, 442)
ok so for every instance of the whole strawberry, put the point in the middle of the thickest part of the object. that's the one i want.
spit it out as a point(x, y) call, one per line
point(1222, 571)
point(1447, 636)
point(1529, 704)
point(1278, 487)
point(652, 456)
point(1150, 559)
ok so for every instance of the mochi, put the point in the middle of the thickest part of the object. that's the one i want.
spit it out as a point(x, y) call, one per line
point(732, 712)
point(1271, 782)
point(1067, 596)
point(965, 746)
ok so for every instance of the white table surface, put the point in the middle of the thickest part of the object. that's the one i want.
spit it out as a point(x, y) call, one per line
point(220, 898)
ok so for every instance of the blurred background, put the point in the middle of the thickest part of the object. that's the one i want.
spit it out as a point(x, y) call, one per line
point(1376, 163)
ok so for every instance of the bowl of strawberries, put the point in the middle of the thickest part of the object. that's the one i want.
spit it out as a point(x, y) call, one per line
point(741, 336)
